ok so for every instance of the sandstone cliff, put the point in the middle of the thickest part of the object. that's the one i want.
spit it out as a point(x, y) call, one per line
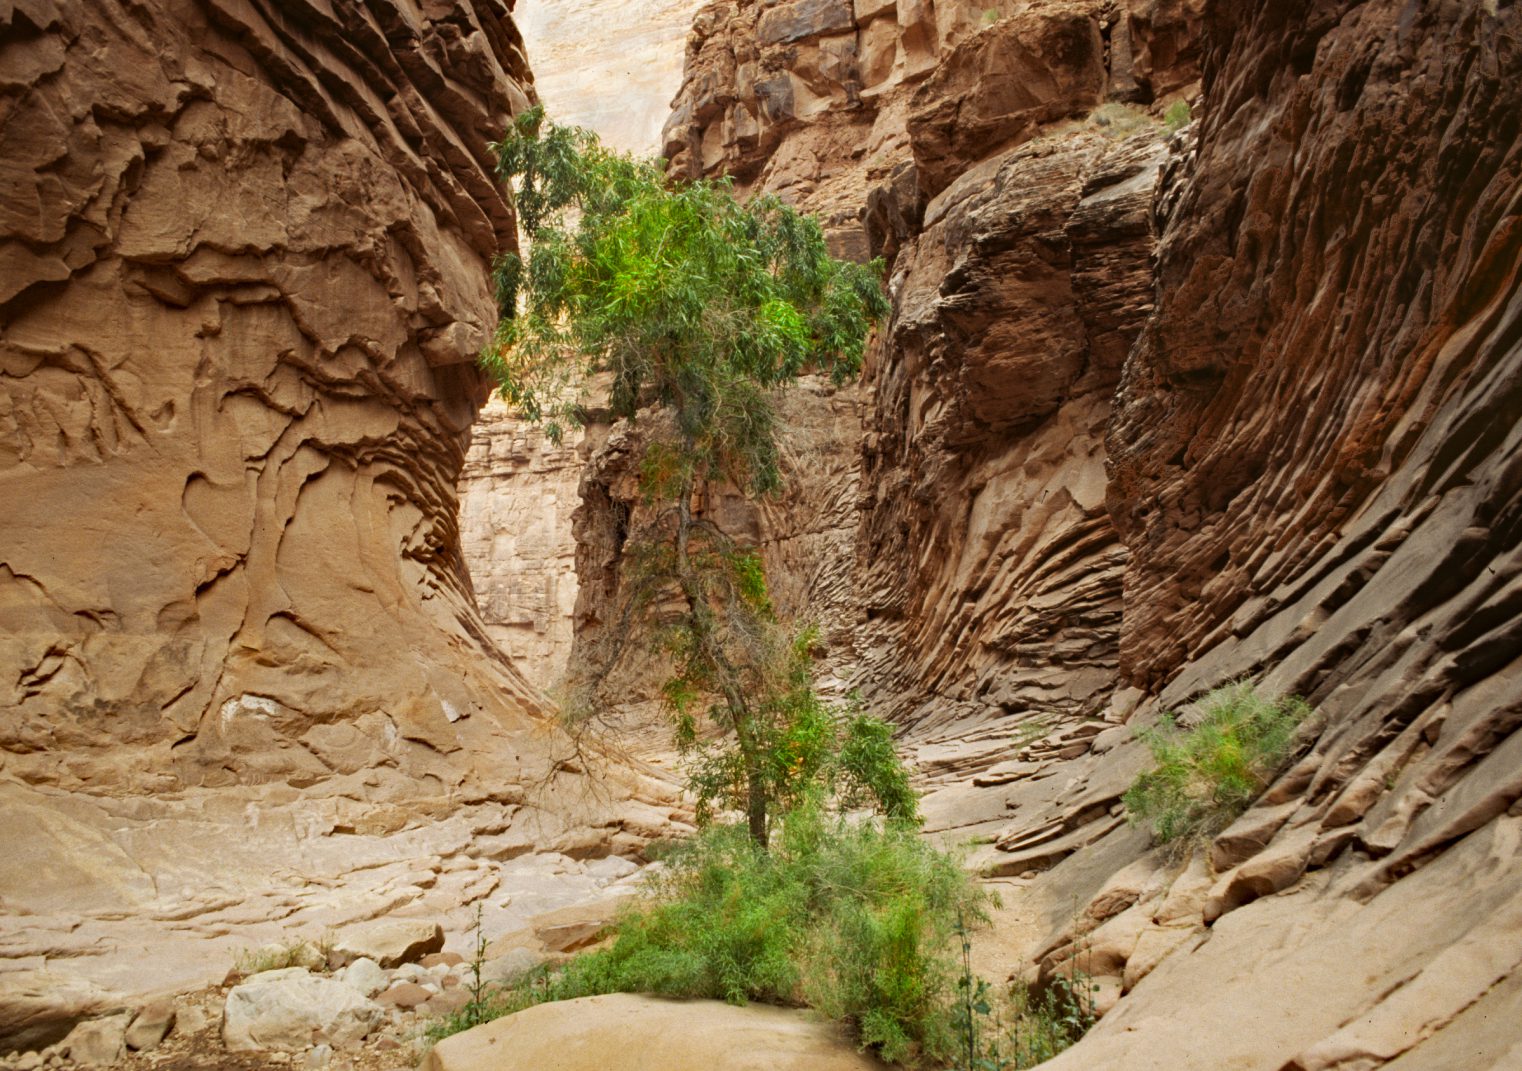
point(518, 491)
point(1156, 412)
point(243, 277)
point(244, 286)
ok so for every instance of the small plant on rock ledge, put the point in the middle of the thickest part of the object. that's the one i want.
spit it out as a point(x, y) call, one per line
point(1176, 117)
point(1209, 773)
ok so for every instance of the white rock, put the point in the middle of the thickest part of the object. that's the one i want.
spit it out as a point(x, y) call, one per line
point(319, 1056)
point(290, 1009)
point(412, 972)
point(611, 868)
point(365, 976)
point(389, 942)
point(98, 1042)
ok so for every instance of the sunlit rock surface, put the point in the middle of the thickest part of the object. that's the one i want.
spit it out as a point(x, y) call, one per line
point(518, 491)
point(612, 68)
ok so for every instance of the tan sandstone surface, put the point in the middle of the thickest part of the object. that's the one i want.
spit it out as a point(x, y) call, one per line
point(611, 68)
point(518, 491)
point(243, 682)
point(639, 1033)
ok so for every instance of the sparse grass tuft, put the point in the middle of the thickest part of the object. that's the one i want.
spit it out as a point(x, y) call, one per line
point(1116, 120)
point(1209, 773)
point(1176, 117)
point(312, 955)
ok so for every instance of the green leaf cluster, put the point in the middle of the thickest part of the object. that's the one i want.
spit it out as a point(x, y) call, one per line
point(1206, 775)
point(692, 300)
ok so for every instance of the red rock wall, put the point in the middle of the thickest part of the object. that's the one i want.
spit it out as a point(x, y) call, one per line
point(1317, 471)
point(1306, 470)
point(243, 277)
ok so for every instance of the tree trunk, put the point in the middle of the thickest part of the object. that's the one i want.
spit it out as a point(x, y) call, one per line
point(739, 712)
point(756, 808)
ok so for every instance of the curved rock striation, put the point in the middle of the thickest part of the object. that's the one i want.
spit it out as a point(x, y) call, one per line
point(244, 278)
point(1315, 470)
point(244, 686)
point(987, 566)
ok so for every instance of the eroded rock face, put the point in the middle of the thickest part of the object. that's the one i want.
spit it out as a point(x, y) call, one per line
point(243, 683)
point(610, 68)
point(822, 100)
point(517, 493)
point(244, 280)
point(987, 566)
point(1314, 470)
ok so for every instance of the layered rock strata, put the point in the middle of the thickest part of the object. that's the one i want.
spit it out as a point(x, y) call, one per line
point(243, 276)
point(988, 571)
point(518, 491)
point(1314, 461)
point(820, 100)
point(244, 284)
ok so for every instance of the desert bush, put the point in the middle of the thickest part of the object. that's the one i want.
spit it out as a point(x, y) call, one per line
point(1176, 117)
point(1207, 774)
point(854, 918)
point(1018, 1027)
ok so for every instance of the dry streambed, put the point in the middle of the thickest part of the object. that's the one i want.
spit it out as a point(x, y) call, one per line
point(356, 997)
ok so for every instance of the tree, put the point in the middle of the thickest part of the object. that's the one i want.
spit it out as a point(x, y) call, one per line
point(700, 307)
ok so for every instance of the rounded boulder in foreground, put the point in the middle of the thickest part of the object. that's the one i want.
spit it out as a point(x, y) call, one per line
point(291, 1009)
point(626, 1032)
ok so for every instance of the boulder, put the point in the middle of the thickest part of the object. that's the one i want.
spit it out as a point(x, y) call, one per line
point(292, 1009)
point(39, 1007)
point(364, 976)
point(639, 1033)
point(150, 1026)
point(404, 995)
point(98, 1042)
point(389, 942)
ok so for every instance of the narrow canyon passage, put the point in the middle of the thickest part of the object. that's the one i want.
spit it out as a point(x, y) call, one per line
point(1201, 368)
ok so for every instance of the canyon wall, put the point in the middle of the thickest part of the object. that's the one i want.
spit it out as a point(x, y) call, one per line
point(244, 686)
point(609, 68)
point(1315, 469)
point(1002, 160)
point(518, 491)
point(244, 286)
point(1156, 411)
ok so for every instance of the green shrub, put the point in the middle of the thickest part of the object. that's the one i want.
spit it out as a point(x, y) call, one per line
point(1018, 1028)
point(1208, 774)
point(854, 919)
point(1176, 117)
